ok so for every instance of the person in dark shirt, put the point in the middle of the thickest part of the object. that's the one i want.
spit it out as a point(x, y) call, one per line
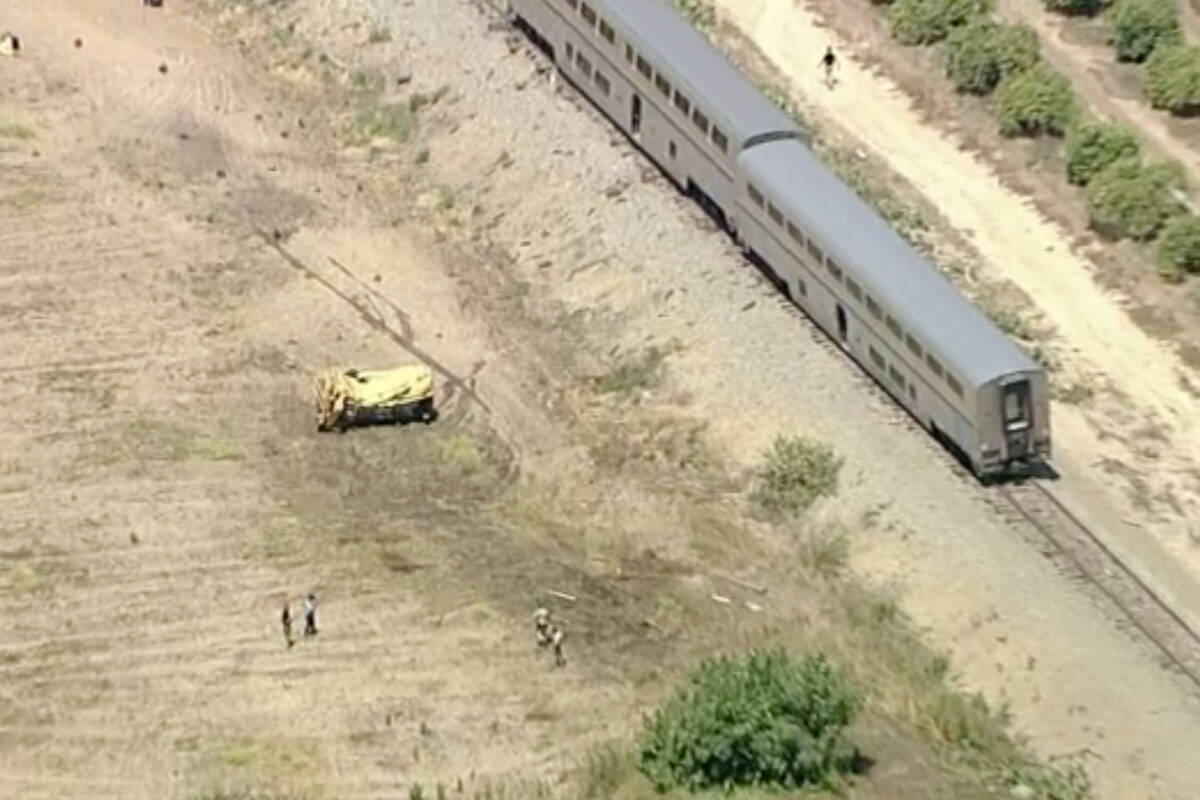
point(828, 63)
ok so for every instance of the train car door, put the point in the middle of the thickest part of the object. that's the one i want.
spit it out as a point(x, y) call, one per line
point(841, 324)
point(1016, 407)
point(635, 114)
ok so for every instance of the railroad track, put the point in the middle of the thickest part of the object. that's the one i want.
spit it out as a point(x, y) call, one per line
point(1077, 550)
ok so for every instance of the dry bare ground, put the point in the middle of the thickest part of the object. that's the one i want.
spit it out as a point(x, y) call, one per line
point(201, 207)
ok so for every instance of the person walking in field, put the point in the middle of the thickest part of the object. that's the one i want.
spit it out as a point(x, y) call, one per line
point(829, 63)
point(310, 615)
point(556, 639)
point(286, 619)
point(541, 626)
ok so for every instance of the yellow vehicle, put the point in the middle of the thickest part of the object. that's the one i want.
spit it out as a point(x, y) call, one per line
point(346, 398)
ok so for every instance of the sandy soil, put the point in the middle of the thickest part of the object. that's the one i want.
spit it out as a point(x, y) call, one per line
point(1148, 511)
point(164, 490)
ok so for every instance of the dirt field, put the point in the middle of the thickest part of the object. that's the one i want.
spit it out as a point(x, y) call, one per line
point(199, 209)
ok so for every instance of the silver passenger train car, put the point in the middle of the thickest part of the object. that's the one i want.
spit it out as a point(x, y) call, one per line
point(749, 165)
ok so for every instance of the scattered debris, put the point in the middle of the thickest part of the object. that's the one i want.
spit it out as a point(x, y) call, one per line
point(78, 43)
point(345, 398)
point(748, 586)
point(153, 3)
point(753, 606)
point(162, 68)
point(10, 45)
point(720, 598)
point(561, 595)
point(220, 173)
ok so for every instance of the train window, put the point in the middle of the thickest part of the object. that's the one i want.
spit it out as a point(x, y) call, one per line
point(895, 375)
point(855, 291)
point(570, 52)
point(584, 65)
point(913, 345)
point(875, 357)
point(912, 391)
point(874, 308)
point(934, 365)
point(700, 120)
point(755, 195)
point(719, 140)
point(607, 32)
point(955, 386)
point(663, 85)
point(803, 289)
point(775, 214)
point(602, 83)
point(834, 269)
point(815, 251)
point(671, 149)
point(795, 233)
point(573, 3)
point(682, 103)
point(894, 327)
point(589, 15)
point(643, 66)
point(629, 53)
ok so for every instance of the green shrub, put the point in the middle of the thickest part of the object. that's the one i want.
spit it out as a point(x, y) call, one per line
point(1179, 247)
point(1080, 7)
point(980, 53)
point(796, 473)
point(928, 21)
point(1035, 101)
point(1126, 199)
point(1141, 25)
point(1094, 145)
point(765, 720)
point(1173, 78)
point(700, 12)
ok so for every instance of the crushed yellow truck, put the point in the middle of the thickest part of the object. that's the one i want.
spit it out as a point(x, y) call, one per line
point(351, 397)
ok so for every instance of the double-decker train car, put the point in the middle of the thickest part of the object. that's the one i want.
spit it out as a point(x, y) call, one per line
point(720, 139)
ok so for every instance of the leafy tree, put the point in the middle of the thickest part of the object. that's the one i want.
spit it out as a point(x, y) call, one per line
point(1141, 25)
point(1179, 247)
point(1035, 101)
point(928, 21)
point(765, 720)
point(1173, 78)
point(981, 53)
point(1127, 199)
point(1093, 145)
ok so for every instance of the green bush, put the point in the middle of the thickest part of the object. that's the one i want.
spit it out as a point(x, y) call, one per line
point(1179, 247)
point(1080, 7)
point(980, 53)
point(765, 720)
point(1126, 199)
point(796, 473)
point(1141, 25)
point(1035, 101)
point(928, 21)
point(1094, 145)
point(1173, 78)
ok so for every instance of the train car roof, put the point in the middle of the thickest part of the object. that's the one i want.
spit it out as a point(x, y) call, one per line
point(865, 246)
point(669, 41)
